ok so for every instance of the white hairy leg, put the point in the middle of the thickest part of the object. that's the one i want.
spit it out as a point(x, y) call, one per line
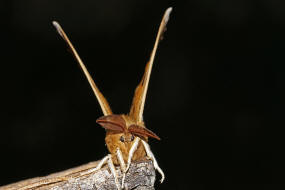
point(151, 156)
point(111, 166)
point(131, 153)
point(121, 160)
point(113, 171)
point(99, 166)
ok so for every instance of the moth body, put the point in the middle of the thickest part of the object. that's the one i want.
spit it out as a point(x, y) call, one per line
point(113, 142)
point(121, 131)
point(126, 135)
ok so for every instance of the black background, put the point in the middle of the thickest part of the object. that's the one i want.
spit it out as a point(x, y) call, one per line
point(216, 95)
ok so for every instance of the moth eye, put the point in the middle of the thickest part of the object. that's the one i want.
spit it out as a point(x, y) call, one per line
point(122, 139)
point(132, 137)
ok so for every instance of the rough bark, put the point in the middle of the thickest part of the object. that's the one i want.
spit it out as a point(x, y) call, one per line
point(140, 176)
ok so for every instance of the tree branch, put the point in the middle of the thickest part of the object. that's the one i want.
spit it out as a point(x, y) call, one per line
point(140, 176)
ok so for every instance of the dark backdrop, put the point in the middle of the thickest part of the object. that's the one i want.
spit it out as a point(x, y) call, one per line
point(216, 95)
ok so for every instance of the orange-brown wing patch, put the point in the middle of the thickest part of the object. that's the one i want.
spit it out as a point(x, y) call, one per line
point(138, 103)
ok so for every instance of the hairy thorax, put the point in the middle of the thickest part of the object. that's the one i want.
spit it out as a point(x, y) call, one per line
point(113, 142)
point(121, 132)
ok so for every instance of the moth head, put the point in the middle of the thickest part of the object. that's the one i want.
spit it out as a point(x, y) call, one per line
point(123, 125)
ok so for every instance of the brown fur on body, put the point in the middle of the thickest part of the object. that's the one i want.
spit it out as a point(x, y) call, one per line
point(113, 142)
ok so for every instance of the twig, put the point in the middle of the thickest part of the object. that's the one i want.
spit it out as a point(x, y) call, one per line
point(141, 176)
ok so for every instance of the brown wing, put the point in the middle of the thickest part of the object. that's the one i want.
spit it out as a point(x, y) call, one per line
point(137, 107)
point(142, 131)
point(101, 99)
point(112, 122)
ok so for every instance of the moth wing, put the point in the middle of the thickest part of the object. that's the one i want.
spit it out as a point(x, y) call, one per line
point(136, 111)
point(101, 99)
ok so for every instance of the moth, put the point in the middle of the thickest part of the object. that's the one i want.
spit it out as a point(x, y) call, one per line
point(126, 134)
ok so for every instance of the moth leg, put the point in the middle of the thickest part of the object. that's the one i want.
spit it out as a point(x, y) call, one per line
point(121, 159)
point(108, 159)
point(98, 167)
point(131, 153)
point(113, 171)
point(151, 156)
